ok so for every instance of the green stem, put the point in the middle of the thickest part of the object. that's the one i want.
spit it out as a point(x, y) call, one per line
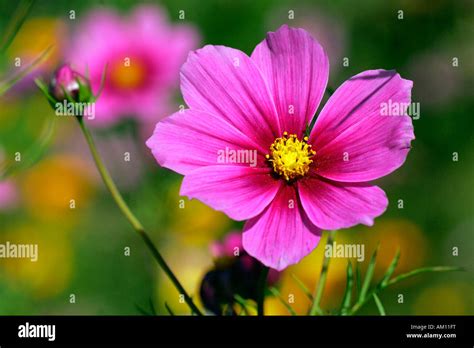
point(108, 181)
point(277, 294)
point(262, 282)
point(21, 13)
point(379, 304)
point(422, 270)
point(315, 309)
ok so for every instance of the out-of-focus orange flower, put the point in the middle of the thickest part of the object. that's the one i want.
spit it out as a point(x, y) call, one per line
point(50, 274)
point(393, 234)
point(57, 187)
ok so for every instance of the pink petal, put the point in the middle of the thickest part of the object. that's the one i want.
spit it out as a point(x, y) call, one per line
point(282, 234)
point(240, 192)
point(296, 69)
point(226, 82)
point(353, 140)
point(333, 205)
point(190, 139)
point(147, 19)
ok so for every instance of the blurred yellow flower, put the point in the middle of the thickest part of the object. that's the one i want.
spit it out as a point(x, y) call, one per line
point(193, 222)
point(36, 35)
point(190, 264)
point(57, 188)
point(273, 306)
point(51, 273)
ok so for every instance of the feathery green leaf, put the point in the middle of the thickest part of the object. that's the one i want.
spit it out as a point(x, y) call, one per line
point(379, 304)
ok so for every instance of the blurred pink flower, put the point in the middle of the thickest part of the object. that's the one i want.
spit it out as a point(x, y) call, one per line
point(227, 247)
point(260, 106)
point(8, 195)
point(143, 54)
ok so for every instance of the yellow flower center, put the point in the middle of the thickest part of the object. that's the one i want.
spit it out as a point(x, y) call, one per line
point(290, 157)
point(128, 75)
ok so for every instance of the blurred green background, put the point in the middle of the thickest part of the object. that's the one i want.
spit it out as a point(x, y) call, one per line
point(82, 250)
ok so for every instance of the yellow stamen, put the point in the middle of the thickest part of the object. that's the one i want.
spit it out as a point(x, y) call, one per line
point(127, 75)
point(290, 157)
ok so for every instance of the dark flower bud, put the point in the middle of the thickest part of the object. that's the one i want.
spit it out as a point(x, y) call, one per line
point(235, 273)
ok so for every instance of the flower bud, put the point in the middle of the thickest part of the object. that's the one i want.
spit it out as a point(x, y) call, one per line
point(235, 273)
point(67, 82)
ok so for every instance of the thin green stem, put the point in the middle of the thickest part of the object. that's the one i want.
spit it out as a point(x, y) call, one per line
point(12, 80)
point(277, 294)
point(399, 278)
point(243, 303)
point(109, 183)
point(261, 286)
point(315, 309)
point(422, 270)
point(379, 304)
point(21, 13)
point(303, 287)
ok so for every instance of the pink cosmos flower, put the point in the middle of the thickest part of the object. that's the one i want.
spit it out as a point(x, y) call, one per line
point(227, 247)
point(143, 54)
point(8, 195)
point(299, 185)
